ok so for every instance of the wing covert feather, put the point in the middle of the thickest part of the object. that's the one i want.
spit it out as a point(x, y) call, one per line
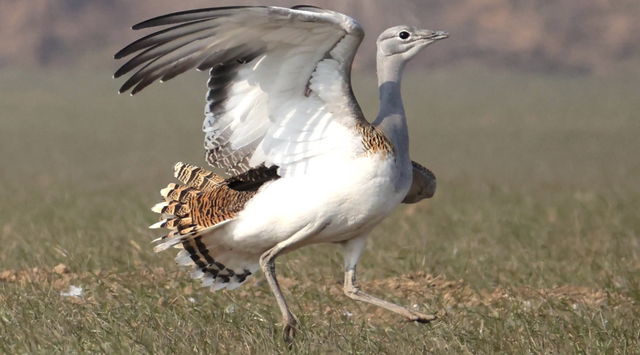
point(279, 78)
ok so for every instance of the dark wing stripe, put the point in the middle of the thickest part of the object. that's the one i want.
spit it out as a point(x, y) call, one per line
point(157, 50)
point(160, 37)
point(164, 54)
point(199, 60)
point(221, 78)
point(308, 8)
point(188, 16)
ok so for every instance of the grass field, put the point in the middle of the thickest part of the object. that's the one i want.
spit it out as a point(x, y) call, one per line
point(530, 246)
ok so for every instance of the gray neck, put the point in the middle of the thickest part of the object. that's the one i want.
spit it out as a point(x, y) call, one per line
point(391, 119)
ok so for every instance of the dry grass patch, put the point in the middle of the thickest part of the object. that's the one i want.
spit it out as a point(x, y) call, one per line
point(415, 289)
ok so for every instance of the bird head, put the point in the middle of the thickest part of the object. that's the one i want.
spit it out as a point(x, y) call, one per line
point(406, 41)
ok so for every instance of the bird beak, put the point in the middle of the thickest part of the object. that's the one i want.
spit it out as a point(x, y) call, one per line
point(440, 35)
point(432, 36)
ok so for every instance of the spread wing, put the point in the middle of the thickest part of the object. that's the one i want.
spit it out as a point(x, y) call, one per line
point(279, 86)
point(423, 185)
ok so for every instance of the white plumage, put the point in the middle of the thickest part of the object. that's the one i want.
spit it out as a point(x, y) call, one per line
point(305, 165)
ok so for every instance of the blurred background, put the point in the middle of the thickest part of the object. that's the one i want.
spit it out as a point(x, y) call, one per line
point(531, 98)
point(588, 37)
point(521, 95)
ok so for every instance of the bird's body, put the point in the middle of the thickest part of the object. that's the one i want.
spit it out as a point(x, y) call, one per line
point(350, 193)
point(305, 166)
point(345, 198)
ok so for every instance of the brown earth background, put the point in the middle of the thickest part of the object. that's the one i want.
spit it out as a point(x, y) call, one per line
point(574, 37)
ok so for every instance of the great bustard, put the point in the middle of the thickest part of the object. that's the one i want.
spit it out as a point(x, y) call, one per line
point(281, 118)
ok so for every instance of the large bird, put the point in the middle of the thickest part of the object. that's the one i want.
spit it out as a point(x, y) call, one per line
point(305, 166)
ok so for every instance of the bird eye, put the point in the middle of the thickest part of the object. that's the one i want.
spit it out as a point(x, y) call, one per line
point(404, 35)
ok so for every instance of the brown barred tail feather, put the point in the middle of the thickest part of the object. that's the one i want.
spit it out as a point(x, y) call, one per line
point(194, 214)
point(196, 177)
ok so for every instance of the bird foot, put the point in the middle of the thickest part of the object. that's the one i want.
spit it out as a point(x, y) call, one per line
point(421, 317)
point(289, 331)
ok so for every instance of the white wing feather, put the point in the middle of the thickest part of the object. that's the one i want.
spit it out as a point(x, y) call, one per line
point(279, 87)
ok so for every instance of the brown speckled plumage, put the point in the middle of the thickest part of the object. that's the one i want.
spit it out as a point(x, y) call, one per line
point(373, 139)
point(197, 177)
point(206, 200)
point(220, 204)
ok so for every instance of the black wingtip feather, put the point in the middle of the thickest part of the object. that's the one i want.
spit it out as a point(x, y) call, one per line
point(126, 67)
point(128, 49)
point(151, 40)
point(305, 6)
point(118, 73)
point(310, 8)
point(183, 16)
point(128, 85)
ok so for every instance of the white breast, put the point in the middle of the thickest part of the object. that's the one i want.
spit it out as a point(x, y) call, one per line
point(349, 196)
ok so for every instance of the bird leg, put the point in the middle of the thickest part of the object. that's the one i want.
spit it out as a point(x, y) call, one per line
point(353, 291)
point(353, 248)
point(268, 266)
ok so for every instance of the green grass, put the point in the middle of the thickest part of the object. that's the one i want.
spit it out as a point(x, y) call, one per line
point(530, 246)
